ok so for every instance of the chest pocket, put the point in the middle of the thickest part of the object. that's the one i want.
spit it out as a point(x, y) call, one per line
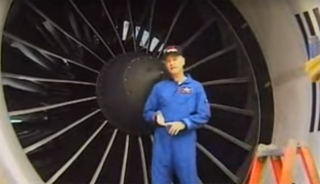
point(176, 97)
point(184, 99)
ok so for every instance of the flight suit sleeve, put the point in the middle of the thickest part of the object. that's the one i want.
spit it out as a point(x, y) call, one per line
point(202, 113)
point(151, 106)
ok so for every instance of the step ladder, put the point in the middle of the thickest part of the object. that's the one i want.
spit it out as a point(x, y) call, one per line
point(282, 163)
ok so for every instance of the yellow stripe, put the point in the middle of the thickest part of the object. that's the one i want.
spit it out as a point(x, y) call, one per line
point(312, 69)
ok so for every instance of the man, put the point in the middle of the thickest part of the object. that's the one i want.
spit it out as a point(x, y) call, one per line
point(177, 106)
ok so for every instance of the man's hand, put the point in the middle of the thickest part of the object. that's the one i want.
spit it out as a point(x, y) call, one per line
point(175, 127)
point(160, 119)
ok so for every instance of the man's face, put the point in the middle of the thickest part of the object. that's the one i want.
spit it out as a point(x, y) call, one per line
point(174, 64)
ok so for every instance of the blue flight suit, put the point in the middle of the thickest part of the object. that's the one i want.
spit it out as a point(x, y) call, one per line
point(187, 103)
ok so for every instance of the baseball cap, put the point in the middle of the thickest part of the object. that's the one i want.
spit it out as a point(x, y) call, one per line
point(172, 50)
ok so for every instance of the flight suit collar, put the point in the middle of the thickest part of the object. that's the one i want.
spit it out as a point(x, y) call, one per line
point(187, 80)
